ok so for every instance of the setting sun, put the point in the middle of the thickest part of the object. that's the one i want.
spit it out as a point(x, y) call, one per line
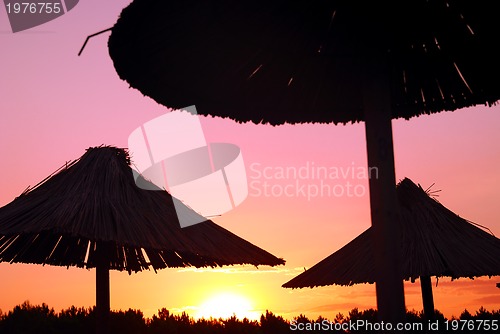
point(225, 305)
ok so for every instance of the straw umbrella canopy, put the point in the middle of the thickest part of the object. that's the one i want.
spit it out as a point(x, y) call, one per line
point(434, 242)
point(91, 214)
point(324, 61)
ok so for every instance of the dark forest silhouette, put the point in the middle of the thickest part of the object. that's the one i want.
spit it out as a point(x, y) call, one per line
point(41, 319)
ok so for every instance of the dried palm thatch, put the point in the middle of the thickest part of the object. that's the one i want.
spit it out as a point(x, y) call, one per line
point(295, 61)
point(94, 203)
point(91, 213)
point(435, 242)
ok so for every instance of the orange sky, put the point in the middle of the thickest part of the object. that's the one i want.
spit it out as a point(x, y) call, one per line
point(54, 105)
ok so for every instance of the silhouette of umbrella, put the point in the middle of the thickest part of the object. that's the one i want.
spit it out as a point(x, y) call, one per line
point(435, 242)
point(298, 61)
point(91, 214)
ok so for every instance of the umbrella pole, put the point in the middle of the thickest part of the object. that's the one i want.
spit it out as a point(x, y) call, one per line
point(383, 199)
point(102, 298)
point(427, 298)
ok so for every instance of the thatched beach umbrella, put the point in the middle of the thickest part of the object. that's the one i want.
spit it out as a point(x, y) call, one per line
point(91, 214)
point(434, 242)
point(324, 61)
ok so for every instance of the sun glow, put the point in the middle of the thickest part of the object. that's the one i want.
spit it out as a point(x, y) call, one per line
point(226, 305)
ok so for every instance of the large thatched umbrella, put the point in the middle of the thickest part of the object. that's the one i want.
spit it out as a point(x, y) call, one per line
point(339, 61)
point(91, 214)
point(435, 242)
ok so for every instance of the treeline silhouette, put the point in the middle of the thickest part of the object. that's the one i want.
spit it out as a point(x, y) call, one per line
point(40, 319)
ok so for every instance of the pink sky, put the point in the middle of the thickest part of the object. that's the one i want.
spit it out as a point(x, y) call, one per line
point(54, 105)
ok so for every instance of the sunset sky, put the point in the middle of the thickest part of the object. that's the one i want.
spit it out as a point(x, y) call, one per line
point(54, 105)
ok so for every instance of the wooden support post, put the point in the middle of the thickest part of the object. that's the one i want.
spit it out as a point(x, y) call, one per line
point(102, 295)
point(427, 298)
point(383, 199)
